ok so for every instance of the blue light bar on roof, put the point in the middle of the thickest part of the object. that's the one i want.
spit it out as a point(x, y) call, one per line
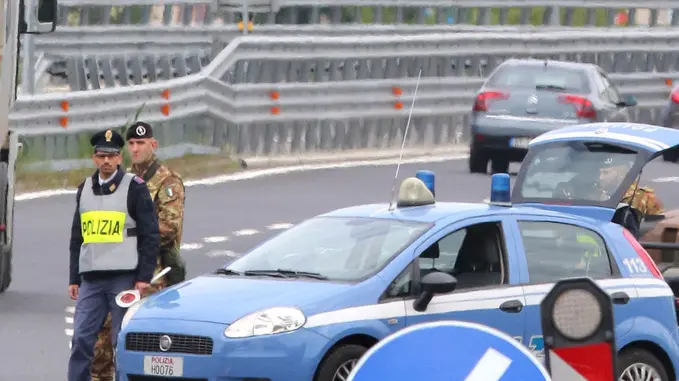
point(500, 188)
point(428, 178)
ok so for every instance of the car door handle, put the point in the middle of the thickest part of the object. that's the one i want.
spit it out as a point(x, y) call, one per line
point(620, 298)
point(511, 306)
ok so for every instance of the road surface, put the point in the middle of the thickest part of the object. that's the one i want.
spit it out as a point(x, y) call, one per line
point(221, 220)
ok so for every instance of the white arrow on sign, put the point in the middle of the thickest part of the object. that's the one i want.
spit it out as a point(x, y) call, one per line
point(491, 367)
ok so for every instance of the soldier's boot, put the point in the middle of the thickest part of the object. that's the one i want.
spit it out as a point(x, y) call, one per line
point(103, 368)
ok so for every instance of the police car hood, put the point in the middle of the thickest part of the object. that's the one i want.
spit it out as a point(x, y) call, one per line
point(225, 299)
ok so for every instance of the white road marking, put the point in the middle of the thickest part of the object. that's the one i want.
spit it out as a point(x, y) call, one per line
point(491, 367)
point(222, 253)
point(245, 232)
point(279, 226)
point(68, 319)
point(70, 310)
point(190, 246)
point(215, 239)
point(69, 332)
point(666, 180)
point(253, 174)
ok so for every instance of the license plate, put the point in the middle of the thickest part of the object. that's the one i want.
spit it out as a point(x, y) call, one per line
point(519, 142)
point(164, 366)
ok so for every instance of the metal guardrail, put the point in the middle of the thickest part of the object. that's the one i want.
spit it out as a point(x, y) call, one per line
point(281, 95)
point(118, 55)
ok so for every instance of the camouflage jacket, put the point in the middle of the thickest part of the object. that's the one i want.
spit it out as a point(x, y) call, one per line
point(167, 191)
point(645, 200)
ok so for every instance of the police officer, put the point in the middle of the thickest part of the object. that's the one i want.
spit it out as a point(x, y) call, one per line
point(167, 191)
point(114, 246)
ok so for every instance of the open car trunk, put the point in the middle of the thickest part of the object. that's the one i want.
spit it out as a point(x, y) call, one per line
point(568, 170)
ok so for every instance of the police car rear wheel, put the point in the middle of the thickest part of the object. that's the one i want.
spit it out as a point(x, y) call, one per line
point(338, 365)
point(640, 365)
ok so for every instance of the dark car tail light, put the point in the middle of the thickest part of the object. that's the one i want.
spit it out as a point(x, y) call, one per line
point(643, 254)
point(583, 106)
point(481, 102)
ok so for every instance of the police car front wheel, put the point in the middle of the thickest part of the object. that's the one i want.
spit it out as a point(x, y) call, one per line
point(640, 365)
point(338, 364)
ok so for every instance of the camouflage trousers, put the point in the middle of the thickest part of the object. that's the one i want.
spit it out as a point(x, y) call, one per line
point(103, 367)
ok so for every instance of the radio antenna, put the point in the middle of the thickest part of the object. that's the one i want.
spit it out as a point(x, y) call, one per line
point(405, 136)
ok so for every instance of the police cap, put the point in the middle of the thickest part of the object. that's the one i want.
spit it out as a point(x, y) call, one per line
point(107, 141)
point(139, 130)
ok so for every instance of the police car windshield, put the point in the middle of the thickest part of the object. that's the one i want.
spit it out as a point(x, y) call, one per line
point(586, 172)
point(344, 249)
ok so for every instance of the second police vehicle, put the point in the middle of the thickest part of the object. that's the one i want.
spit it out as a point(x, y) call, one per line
point(309, 302)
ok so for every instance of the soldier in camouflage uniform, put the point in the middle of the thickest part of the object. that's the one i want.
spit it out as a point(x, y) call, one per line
point(642, 199)
point(167, 191)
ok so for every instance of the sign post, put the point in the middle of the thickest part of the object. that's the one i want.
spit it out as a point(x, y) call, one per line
point(449, 350)
point(578, 330)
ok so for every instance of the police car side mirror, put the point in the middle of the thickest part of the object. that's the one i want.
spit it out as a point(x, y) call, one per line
point(436, 282)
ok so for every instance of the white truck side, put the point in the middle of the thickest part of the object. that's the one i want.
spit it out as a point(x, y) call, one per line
point(16, 19)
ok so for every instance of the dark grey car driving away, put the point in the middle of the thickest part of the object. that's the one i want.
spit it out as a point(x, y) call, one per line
point(523, 98)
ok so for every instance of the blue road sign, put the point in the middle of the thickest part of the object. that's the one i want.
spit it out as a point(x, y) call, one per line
point(450, 351)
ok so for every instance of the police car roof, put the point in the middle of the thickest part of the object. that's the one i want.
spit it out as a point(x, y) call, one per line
point(443, 210)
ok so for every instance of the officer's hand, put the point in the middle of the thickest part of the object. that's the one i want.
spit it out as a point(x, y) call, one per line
point(142, 286)
point(73, 291)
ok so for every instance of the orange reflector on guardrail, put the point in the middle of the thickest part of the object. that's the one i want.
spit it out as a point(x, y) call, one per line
point(397, 91)
point(668, 82)
point(275, 110)
point(165, 109)
point(63, 121)
point(240, 26)
point(64, 105)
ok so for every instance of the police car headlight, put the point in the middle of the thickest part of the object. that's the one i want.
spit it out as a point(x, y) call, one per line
point(267, 322)
point(130, 312)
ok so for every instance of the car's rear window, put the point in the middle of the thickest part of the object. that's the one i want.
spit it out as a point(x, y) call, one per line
point(531, 76)
point(576, 171)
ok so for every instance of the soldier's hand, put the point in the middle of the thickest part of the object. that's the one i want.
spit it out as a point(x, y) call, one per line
point(142, 286)
point(73, 291)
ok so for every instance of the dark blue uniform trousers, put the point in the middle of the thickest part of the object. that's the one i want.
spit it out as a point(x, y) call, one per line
point(95, 300)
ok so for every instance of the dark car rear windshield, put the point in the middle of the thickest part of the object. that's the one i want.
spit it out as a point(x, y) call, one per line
point(532, 76)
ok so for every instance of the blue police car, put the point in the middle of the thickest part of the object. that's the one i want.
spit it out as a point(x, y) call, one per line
point(309, 302)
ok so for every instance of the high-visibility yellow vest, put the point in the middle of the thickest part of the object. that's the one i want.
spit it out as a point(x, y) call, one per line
point(588, 239)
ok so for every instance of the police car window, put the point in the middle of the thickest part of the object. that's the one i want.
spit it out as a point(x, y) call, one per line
point(576, 171)
point(532, 77)
point(472, 254)
point(448, 248)
point(555, 250)
point(342, 249)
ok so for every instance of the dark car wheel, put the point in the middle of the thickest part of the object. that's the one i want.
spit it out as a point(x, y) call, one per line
point(478, 161)
point(638, 364)
point(338, 365)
